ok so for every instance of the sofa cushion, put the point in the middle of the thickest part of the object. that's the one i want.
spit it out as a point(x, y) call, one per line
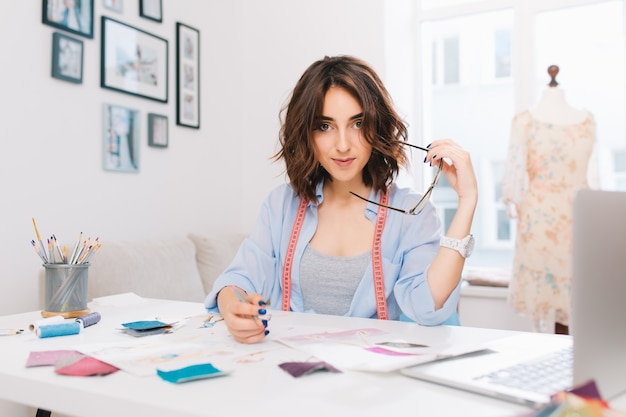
point(162, 268)
point(214, 254)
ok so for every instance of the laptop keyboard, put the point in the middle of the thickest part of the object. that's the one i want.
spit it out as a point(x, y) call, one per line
point(548, 374)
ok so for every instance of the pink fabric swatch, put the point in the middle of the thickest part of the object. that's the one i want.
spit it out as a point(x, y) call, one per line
point(47, 357)
point(81, 365)
point(384, 351)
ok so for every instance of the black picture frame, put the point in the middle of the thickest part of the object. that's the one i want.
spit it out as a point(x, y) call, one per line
point(158, 135)
point(151, 9)
point(133, 61)
point(120, 139)
point(77, 20)
point(187, 76)
point(67, 58)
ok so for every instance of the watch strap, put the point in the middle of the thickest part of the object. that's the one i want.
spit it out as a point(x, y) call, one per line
point(460, 245)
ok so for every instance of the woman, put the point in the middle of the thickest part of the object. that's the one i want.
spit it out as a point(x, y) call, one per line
point(316, 247)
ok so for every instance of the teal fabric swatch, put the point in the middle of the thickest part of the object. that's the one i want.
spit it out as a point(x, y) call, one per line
point(190, 373)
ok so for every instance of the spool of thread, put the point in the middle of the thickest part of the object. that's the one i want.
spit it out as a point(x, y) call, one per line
point(43, 322)
point(88, 319)
point(61, 329)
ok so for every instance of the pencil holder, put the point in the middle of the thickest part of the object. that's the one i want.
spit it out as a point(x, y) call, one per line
point(65, 290)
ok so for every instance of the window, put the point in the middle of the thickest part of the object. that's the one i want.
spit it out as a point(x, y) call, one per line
point(476, 111)
point(591, 63)
point(480, 63)
point(502, 53)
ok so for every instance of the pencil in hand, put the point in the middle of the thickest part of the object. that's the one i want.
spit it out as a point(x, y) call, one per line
point(241, 298)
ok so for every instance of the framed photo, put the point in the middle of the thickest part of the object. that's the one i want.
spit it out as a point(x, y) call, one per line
point(115, 5)
point(157, 130)
point(133, 61)
point(187, 76)
point(120, 139)
point(67, 58)
point(151, 9)
point(75, 16)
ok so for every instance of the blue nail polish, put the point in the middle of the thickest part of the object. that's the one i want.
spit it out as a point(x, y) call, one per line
point(267, 332)
point(264, 322)
point(434, 156)
point(429, 145)
point(425, 159)
point(262, 311)
point(262, 303)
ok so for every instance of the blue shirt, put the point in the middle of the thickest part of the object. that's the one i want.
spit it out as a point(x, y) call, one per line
point(409, 243)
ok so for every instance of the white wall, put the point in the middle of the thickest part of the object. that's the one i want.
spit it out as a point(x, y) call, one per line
point(252, 53)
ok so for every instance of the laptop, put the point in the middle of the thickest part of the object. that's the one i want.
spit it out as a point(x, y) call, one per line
point(513, 368)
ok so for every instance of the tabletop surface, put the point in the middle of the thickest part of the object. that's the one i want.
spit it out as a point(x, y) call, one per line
point(255, 383)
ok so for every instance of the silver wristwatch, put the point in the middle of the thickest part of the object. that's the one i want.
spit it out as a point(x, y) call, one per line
point(464, 246)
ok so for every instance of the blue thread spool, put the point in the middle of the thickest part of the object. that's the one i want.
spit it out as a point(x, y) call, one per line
point(44, 322)
point(62, 329)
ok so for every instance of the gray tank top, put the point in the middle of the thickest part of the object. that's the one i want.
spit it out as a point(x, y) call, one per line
point(328, 282)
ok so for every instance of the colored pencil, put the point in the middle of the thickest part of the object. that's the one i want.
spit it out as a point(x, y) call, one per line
point(43, 249)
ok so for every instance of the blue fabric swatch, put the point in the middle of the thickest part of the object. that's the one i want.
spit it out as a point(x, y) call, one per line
point(190, 373)
point(145, 325)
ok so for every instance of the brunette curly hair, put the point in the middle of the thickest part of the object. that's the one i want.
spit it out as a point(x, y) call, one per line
point(382, 127)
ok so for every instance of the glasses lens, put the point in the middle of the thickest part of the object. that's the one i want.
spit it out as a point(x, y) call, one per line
point(421, 204)
point(436, 177)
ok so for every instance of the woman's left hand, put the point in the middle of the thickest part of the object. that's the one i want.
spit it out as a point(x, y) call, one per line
point(457, 167)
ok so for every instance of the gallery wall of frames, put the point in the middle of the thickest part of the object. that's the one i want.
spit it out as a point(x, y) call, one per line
point(132, 61)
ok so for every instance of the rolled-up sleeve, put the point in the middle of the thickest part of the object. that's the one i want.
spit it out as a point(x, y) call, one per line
point(417, 244)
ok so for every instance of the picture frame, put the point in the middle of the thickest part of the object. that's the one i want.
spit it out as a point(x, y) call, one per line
point(133, 61)
point(67, 58)
point(114, 5)
point(120, 141)
point(187, 76)
point(74, 16)
point(158, 135)
point(151, 9)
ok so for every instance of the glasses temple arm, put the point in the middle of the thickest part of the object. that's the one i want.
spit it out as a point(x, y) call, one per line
point(415, 146)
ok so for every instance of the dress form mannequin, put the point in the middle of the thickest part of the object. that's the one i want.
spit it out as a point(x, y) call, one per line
point(553, 108)
point(551, 155)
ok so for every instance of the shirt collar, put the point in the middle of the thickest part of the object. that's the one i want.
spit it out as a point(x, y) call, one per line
point(319, 192)
point(371, 210)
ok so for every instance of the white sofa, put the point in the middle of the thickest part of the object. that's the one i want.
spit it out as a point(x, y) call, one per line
point(178, 267)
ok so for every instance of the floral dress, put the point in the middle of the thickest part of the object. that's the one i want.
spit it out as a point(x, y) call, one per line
point(546, 165)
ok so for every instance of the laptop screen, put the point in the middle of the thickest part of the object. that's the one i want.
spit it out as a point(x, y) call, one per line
point(598, 322)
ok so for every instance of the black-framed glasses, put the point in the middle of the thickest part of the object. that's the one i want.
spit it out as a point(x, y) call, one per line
point(421, 204)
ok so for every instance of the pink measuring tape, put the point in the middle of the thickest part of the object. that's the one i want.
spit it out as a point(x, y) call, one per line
point(377, 264)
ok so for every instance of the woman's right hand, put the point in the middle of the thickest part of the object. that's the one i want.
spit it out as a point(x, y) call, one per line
point(241, 312)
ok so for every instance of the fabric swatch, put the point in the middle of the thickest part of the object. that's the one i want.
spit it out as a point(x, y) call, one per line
point(384, 351)
point(81, 365)
point(47, 357)
point(190, 373)
point(297, 369)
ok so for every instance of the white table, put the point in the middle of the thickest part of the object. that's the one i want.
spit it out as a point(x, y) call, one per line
point(261, 388)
